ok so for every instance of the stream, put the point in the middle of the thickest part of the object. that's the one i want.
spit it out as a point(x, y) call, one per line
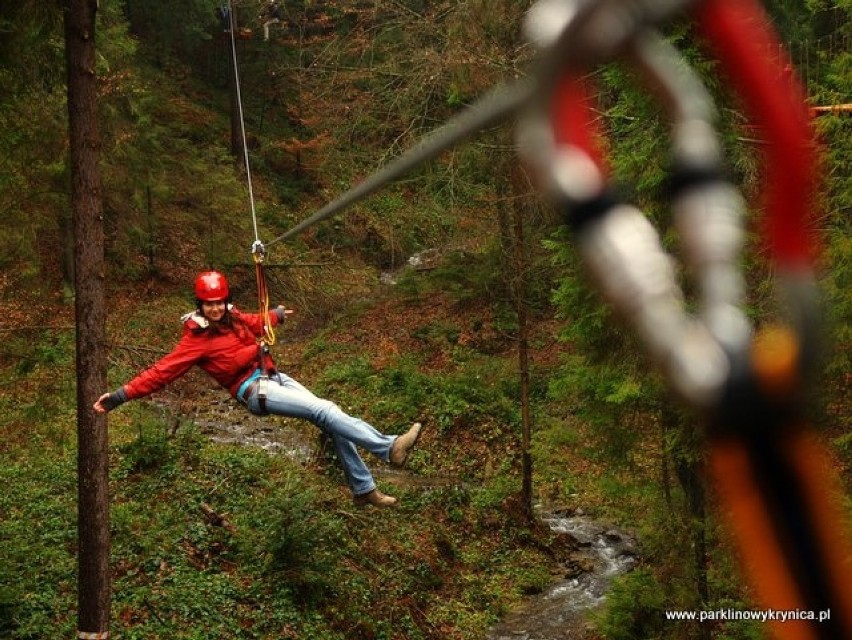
point(224, 421)
point(559, 613)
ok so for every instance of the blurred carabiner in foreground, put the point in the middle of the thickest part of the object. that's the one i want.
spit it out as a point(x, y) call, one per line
point(775, 480)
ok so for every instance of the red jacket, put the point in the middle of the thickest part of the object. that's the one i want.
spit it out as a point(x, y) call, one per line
point(229, 355)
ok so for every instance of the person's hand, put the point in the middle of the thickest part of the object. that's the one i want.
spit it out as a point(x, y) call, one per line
point(99, 405)
point(282, 313)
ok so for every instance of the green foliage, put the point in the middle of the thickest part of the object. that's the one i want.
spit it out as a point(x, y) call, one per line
point(837, 276)
point(150, 450)
point(32, 47)
point(298, 541)
point(400, 393)
point(467, 277)
point(172, 28)
point(7, 611)
point(298, 561)
point(843, 444)
point(36, 562)
point(52, 350)
point(635, 608)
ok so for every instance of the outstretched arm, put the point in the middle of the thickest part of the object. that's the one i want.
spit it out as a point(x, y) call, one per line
point(166, 370)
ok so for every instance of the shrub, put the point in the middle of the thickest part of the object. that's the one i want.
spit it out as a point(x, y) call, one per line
point(298, 540)
point(634, 608)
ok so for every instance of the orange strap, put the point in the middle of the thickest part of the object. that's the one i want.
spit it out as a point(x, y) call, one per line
point(268, 336)
point(782, 498)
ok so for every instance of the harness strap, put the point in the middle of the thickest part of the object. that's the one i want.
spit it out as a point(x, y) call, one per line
point(244, 386)
point(262, 383)
point(256, 383)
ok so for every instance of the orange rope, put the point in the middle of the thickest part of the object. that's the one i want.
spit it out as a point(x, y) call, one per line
point(268, 336)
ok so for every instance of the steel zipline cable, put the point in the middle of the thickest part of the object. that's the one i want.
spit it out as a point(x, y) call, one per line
point(238, 93)
point(491, 109)
point(258, 249)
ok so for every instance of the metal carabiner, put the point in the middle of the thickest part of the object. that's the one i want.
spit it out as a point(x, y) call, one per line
point(258, 251)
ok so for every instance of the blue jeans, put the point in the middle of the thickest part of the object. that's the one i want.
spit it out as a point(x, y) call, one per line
point(286, 397)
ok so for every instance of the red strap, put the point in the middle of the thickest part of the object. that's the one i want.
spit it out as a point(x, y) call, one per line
point(740, 35)
point(573, 119)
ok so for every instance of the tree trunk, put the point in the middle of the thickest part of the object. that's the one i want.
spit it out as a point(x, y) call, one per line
point(697, 498)
point(523, 360)
point(665, 473)
point(685, 460)
point(515, 274)
point(94, 591)
point(691, 477)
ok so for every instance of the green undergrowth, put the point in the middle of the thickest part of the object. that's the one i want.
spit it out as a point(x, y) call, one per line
point(223, 542)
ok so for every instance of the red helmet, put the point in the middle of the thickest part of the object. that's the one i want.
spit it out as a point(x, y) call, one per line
point(211, 285)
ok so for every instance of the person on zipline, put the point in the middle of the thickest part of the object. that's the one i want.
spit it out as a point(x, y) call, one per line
point(223, 342)
point(270, 15)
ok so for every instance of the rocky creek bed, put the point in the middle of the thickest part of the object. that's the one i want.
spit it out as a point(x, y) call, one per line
point(560, 613)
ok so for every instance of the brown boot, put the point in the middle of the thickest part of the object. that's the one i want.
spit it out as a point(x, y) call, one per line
point(403, 444)
point(375, 498)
